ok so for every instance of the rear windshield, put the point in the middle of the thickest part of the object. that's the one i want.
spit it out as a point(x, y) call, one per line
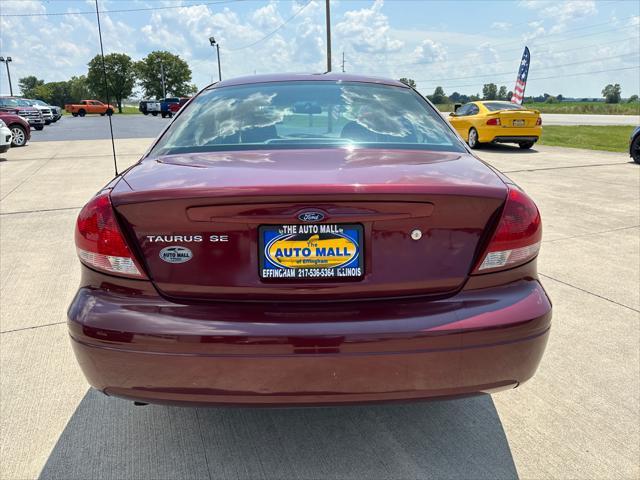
point(307, 114)
point(9, 102)
point(495, 106)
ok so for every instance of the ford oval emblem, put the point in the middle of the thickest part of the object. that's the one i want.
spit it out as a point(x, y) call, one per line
point(176, 254)
point(311, 217)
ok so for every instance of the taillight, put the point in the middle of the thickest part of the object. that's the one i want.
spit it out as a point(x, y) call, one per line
point(539, 121)
point(517, 238)
point(99, 241)
point(493, 121)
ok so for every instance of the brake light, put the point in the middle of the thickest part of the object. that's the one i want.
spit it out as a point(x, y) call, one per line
point(539, 121)
point(493, 121)
point(517, 238)
point(99, 241)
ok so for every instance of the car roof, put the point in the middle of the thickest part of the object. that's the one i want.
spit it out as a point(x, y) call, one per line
point(290, 77)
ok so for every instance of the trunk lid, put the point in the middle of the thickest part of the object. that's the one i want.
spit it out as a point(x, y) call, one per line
point(209, 211)
point(517, 118)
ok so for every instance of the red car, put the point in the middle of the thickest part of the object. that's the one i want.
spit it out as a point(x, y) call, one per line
point(306, 240)
point(20, 128)
point(176, 106)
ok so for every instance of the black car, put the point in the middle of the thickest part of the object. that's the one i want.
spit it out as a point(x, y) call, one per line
point(634, 145)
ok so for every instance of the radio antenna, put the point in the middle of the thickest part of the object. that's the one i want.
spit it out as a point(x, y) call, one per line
point(106, 89)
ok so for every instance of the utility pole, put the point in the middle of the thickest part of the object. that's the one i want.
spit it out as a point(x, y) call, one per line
point(213, 43)
point(164, 88)
point(328, 15)
point(343, 61)
point(6, 62)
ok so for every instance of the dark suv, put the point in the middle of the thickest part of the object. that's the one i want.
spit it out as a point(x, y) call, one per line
point(24, 109)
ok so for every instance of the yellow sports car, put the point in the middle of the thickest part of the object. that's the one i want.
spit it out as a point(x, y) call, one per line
point(494, 121)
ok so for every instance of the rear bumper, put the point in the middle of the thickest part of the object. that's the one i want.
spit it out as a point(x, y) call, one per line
point(147, 349)
point(509, 134)
point(512, 139)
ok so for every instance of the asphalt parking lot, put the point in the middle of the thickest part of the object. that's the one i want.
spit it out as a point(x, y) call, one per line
point(577, 418)
point(95, 127)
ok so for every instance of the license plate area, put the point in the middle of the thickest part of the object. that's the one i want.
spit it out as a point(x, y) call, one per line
point(518, 123)
point(311, 252)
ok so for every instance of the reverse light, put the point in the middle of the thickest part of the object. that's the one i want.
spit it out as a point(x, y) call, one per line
point(493, 121)
point(539, 121)
point(99, 240)
point(517, 238)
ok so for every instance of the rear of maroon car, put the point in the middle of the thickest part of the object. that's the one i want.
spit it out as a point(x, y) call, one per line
point(308, 240)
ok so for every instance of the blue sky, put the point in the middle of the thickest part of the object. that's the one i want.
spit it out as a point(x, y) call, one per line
point(457, 44)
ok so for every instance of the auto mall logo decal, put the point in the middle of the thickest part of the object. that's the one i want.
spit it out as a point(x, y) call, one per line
point(176, 254)
point(311, 217)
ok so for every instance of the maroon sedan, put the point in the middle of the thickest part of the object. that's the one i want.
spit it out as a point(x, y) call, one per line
point(308, 239)
point(20, 128)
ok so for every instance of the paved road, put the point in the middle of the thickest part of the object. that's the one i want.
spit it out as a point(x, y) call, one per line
point(580, 119)
point(95, 127)
point(577, 418)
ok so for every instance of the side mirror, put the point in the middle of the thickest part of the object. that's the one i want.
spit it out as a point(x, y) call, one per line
point(452, 114)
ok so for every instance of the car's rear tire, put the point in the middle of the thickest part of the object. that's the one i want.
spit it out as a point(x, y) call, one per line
point(155, 114)
point(635, 149)
point(472, 139)
point(74, 114)
point(164, 115)
point(39, 127)
point(526, 145)
point(82, 113)
point(47, 122)
point(109, 112)
point(19, 136)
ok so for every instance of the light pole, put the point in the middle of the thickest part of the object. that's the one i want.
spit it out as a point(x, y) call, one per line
point(213, 43)
point(328, 20)
point(6, 62)
point(164, 88)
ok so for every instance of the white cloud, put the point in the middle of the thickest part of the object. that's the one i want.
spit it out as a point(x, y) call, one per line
point(267, 17)
point(429, 52)
point(503, 26)
point(570, 10)
point(367, 30)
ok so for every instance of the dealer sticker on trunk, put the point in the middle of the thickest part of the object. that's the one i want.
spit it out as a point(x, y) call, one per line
point(311, 251)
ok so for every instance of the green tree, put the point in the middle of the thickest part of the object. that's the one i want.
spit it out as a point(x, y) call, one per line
point(59, 93)
point(120, 73)
point(177, 75)
point(489, 91)
point(502, 93)
point(79, 89)
point(28, 85)
point(408, 81)
point(612, 93)
point(438, 96)
point(633, 99)
point(42, 92)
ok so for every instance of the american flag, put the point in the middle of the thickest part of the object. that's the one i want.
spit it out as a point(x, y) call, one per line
point(521, 81)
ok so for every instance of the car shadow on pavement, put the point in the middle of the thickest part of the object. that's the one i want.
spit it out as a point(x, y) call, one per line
point(505, 148)
point(111, 438)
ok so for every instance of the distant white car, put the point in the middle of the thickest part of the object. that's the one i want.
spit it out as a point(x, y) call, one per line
point(5, 137)
point(56, 112)
point(45, 110)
